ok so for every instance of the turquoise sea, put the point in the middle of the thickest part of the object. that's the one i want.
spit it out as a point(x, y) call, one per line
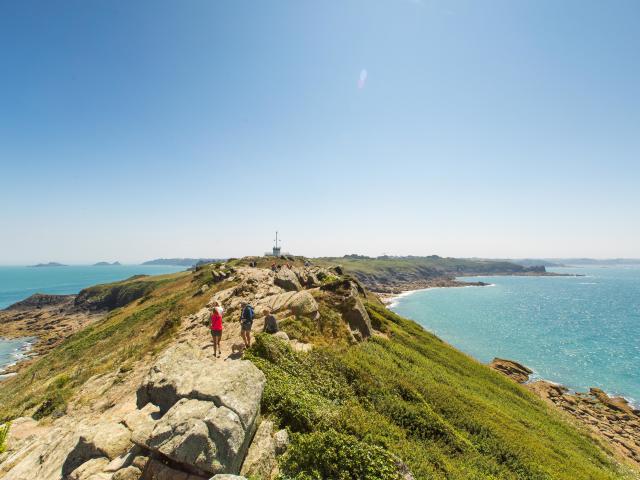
point(578, 331)
point(17, 283)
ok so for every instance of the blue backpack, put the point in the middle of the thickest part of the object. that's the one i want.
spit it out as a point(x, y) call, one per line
point(247, 313)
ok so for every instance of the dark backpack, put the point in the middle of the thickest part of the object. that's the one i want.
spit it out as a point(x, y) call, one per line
point(247, 313)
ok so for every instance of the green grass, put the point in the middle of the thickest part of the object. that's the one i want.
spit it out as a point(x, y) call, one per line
point(4, 433)
point(125, 335)
point(414, 397)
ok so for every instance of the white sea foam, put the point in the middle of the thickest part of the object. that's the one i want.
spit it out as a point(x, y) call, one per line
point(393, 301)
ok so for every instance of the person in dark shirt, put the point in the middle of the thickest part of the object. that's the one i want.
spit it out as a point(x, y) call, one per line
point(270, 322)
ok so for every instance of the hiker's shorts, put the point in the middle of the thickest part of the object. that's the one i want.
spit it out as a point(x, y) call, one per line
point(246, 326)
point(216, 333)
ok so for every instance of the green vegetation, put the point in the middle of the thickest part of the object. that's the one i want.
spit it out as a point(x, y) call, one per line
point(4, 433)
point(413, 398)
point(115, 295)
point(321, 455)
point(112, 344)
point(387, 269)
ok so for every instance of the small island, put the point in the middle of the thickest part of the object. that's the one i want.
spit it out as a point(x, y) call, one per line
point(50, 264)
point(106, 264)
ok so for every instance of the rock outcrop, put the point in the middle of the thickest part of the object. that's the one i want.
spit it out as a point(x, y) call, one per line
point(207, 412)
point(39, 300)
point(611, 419)
point(511, 369)
point(261, 458)
point(287, 279)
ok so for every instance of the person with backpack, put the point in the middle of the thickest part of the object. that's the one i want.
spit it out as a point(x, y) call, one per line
point(246, 322)
point(216, 328)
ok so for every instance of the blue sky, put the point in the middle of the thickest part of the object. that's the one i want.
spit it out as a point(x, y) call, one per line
point(133, 130)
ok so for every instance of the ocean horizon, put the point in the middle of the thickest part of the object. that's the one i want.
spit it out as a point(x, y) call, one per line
point(578, 331)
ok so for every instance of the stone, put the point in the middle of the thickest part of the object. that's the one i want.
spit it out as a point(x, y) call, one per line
point(183, 436)
point(261, 456)
point(356, 316)
point(514, 370)
point(286, 279)
point(140, 462)
point(208, 411)
point(157, 470)
point(282, 335)
point(141, 422)
point(112, 439)
point(122, 461)
point(226, 476)
point(89, 468)
point(127, 473)
point(281, 441)
point(303, 303)
point(181, 372)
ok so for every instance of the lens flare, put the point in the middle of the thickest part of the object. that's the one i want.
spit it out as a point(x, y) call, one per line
point(363, 78)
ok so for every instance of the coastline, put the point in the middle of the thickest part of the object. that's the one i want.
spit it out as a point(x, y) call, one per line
point(390, 299)
point(612, 419)
point(21, 354)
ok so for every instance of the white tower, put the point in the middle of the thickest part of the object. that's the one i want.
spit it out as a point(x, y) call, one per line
point(276, 247)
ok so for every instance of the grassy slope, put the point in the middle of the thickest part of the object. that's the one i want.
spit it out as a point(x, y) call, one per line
point(127, 334)
point(444, 414)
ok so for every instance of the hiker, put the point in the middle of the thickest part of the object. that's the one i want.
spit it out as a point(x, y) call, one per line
point(273, 267)
point(216, 328)
point(246, 322)
point(270, 322)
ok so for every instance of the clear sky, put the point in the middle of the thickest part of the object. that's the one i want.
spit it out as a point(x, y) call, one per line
point(131, 130)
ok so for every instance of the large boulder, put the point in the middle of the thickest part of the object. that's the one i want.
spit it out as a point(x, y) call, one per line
point(298, 303)
point(287, 279)
point(354, 312)
point(207, 410)
point(260, 461)
point(183, 372)
point(200, 437)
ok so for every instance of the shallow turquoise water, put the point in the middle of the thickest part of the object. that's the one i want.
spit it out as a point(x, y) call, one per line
point(578, 331)
point(17, 283)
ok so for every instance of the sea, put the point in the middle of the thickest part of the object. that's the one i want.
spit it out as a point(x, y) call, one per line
point(18, 283)
point(580, 331)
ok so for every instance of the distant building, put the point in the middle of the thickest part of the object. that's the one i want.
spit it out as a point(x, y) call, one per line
point(276, 248)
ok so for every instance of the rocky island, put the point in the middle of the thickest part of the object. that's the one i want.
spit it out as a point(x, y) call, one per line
point(50, 264)
point(107, 264)
point(344, 389)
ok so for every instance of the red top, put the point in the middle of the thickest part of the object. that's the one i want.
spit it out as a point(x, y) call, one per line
point(216, 320)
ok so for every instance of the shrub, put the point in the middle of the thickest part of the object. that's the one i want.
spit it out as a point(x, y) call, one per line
point(334, 455)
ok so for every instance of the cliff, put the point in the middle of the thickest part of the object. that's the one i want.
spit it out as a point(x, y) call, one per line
point(345, 389)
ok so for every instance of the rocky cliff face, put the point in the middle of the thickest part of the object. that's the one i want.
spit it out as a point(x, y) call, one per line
point(184, 414)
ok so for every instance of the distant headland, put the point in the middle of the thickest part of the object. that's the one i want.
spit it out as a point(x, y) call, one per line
point(107, 264)
point(183, 262)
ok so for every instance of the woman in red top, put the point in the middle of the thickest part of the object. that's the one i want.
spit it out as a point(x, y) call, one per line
point(216, 328)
